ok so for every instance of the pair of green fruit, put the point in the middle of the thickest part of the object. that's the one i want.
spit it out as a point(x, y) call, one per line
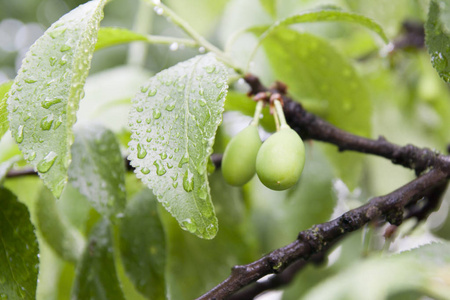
point(279, 161)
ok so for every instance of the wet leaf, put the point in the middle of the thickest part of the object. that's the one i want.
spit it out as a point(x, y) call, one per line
point(44, 97)
point(437, 37)
point(143, 246)
point(19, 262)
point(4, 89)
point(96, 276)
point(173, 121)
point(98, 169)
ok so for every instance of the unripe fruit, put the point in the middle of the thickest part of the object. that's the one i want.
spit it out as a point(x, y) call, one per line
point(281, 159)
point(239, 159)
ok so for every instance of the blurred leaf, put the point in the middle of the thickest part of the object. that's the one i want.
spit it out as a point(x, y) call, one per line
point(65, 240)
point(96, 276)
point(45, 94)
point(98, 170)
point(75, 207)
point(424, 269)
point(4, 124)
point(313, 69)
point(6, 166)
point(280, 216)
point(173, 122)
point(209, 260)
point(143, 246)
point(270, 6)
point(111, 36)
point(437, 37)
point(19, 262)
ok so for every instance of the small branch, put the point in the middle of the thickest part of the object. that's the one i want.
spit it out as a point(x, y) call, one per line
point(310, 126)
point(311, 241)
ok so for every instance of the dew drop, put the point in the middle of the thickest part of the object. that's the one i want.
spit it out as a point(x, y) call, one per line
point(148, 121)
point(184, 159)
point(58, 122)
point(30, 80)
point(65, 48)
point(170, 107)
point(141, 152)
point(144, 89)
point(158, 10)
point(201, 49)
point(175, 177)
point(439, 61)
point(202, 102)
point(149, 140)
point(160, 170)
point(139, 109)
point(19, 136)
point(46, 122)
point(180, 87)
point(210, 69)
point(57, 32)
point(145, 171)
point(202, 192)
point(156, 114)
point(63, 61)
point(173, 46)
point(52, 61)
point(47, 162)
point(31, 156)
point(175, 184)
point(189, 225)
point(163, 155)
point(188, 181)
point(170, 166)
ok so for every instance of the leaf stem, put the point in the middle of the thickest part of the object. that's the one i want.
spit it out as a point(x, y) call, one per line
point(163, 10)
point(280, 113)
point(258, 109)
point(157, 39)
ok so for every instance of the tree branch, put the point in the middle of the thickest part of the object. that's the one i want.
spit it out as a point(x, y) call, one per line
point(314, 240)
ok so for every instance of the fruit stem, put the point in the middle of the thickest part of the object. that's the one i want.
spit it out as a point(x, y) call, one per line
point(258, 109)
point(279, 112)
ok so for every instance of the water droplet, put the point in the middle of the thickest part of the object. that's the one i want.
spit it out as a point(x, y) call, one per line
point(31, 156)
point(188, 181)
point(160, 170)
point(57, 32)
point(52, 61)
point(163, 155)
point(211, 229)
point(58, 122)
point(184, 159)
point(170, 166)
point(144, 89)
point(19, 136)
point(219, 85)
point(210, 69)
point(141, 152)
point(27, 116)
point(158, 10)
point(49, 102)
point(173, 46)
point(45, 164)
point(145, 171)
point(201, 49)
point(149, 139)
point(63, 60)
point(46, 122)
point(175, 177)
point(439, 61)
point(139, 109)
point(156, 114)
point(65, 48)
point(30, 80)
point(189, 225)
point(202, 102)
point(170, 107)
point(175, 184)
point(202, 192)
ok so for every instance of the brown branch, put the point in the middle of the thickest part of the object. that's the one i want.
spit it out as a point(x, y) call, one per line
point(310, 126)
point(311, 241)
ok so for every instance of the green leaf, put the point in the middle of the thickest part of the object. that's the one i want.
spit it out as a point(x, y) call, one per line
point(19, 262)
point(45, 94)
point(143, 245)
point(313, 69)
point(4, 89)
point(111, 36)
point(270, 6)
point(64, 239)
point(188, 255)
point(173, 122)
point(437, 37)
point(6, 166)
point(416, 270)
point(96, 276)
point(98, 169)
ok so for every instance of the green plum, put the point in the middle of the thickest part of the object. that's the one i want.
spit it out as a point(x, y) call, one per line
point(281, 159)
point(239, 159)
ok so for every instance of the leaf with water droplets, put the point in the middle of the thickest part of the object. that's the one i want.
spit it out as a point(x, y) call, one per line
point(170, 151)
point(63, 238)
point(330, 79)
point(437, 37)
point(98, 170)
point(4, 89)
point(44, 97)
point(96, 276)
point(19, 262)
point(143, 245)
